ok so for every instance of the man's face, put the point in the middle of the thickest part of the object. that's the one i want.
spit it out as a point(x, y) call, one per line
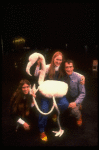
point(25, 88)
point(69, 68)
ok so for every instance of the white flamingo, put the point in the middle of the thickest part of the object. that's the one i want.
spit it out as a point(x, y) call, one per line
point(48, 88)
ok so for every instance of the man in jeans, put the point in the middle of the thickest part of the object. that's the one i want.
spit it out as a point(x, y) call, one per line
point(76, 91)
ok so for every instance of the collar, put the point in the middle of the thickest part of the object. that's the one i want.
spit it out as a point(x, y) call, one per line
point(70, 75)
point(57, 68)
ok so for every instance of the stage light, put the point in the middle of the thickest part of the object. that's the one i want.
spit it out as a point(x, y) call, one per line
point(18, 40)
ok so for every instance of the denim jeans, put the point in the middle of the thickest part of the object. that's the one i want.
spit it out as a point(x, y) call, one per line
point(62, 104)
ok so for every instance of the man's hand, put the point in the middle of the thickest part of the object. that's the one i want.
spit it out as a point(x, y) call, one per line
point(72, 105)
point(26, 126)
point(82, 81)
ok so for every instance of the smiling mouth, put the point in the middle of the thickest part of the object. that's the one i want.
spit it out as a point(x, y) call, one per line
point(68, 71)
point(25, 92)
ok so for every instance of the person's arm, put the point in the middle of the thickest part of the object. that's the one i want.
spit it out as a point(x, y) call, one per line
point(25, 125)
point(17, 118)
point(81, 95)
point(82, 80)
point(37, 70)
point(47, 68)
point(32, 103)
point(21, 121)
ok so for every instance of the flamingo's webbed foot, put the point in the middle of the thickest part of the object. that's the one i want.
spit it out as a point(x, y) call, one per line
point(58, 133)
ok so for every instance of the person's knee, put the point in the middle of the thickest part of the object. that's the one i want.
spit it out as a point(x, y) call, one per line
point(45, 106)
point(64, 103)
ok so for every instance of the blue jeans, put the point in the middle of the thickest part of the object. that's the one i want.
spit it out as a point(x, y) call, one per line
point(62, 104)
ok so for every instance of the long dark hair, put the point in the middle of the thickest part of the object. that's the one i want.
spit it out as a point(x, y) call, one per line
point(17, 96)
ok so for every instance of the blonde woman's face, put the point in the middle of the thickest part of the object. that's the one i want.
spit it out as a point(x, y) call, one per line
point(58, 60)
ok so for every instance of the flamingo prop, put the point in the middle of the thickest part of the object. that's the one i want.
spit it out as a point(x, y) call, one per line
point(49, 88)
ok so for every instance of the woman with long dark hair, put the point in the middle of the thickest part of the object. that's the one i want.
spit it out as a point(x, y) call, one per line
point(20, 105)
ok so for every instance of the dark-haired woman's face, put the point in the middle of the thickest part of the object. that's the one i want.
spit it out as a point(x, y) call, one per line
point(25, 88)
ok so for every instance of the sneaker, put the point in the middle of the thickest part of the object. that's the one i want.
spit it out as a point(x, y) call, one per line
point(43, 136)
point(79, 121)
point(54, 118)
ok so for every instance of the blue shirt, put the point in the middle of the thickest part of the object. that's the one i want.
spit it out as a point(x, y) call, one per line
point(77, 91)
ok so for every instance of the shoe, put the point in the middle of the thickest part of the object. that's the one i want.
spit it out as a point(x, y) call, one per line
point(54, 118)
point(43, 136)
point(79, 121)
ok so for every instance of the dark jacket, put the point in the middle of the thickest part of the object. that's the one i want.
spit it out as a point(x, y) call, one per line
point(20, 107)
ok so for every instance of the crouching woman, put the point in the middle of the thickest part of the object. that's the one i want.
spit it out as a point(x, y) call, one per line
point(20, 106)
